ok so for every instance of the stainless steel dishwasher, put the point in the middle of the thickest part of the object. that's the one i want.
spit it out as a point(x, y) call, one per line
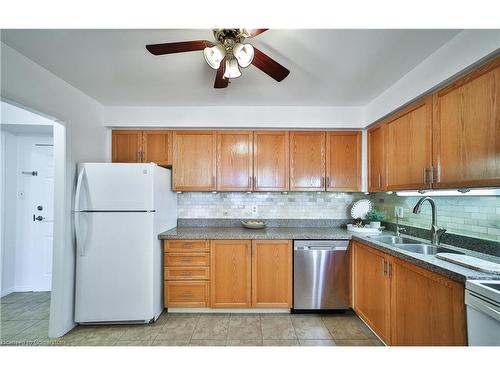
point(320, 275)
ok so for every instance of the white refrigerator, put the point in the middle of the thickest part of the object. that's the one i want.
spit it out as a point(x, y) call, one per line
point(119, 211)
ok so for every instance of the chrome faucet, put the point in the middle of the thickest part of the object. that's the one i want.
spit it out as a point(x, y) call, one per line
point(436, 232)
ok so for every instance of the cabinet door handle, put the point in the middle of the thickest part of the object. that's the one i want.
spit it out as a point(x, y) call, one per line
point(213, 182)
point(384, 271)
point(390, 270)
point(424, 175)
point(186, 294)
point(254, 182)
point(250, 182)
point(328, 181)
point(438, 173)
point(322, 182)
point(138, 156)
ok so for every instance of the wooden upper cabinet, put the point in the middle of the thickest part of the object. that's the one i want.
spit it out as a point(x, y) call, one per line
point(343, 161)
point(272, 273)
point(271, 161)
point(307, 161)
point(377, 180)
point(409, 147)
point(126, 146)
point(194, 160)
point(426, 308)
point(234, 160)
point(157, 147)
point(231, 279)
point(467, 130)
point(372, 291)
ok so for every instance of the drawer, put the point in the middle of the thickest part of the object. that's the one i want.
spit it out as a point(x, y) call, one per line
point(179, 246)
point(186, 259)
point(186, 273)
point(186, 293)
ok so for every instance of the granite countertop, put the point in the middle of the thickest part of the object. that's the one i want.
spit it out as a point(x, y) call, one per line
point(428, 262)
point(240, 233)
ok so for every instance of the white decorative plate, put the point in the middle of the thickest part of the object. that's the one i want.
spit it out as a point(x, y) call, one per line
point(365, 230)
point(360, 209)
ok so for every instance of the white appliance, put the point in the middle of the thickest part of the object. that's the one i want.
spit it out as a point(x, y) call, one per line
point(482, 298)
point(119, 211)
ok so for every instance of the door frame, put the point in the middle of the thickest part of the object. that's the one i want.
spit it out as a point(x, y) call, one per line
point(62, 294)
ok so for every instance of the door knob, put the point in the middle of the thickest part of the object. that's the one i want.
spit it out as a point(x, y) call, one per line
point(38, 218)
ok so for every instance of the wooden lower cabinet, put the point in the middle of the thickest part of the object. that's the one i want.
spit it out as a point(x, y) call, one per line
point(231, 279)
point(272, 273)
point(187, 293)
point(406, 304)
point(426, 308)
point(186, 273)
point(372, 289)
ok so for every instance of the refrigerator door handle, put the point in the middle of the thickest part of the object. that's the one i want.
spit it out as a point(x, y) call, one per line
point(78, 236)
point(79, 240)
point(78, 192)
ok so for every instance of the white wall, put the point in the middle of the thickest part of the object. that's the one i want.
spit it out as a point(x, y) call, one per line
point(250, 116)
point(8, 213)
point(28, 84)
point(466, 48)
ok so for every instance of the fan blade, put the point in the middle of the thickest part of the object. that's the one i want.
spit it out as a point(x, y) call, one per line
point(255, 32)
point(176, 47)
point(220, 81)
point(269, 66)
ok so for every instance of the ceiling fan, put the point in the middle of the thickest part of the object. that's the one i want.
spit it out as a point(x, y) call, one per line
point(227, 54)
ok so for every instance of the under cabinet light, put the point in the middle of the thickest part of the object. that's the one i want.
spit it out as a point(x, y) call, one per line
point(444, 193)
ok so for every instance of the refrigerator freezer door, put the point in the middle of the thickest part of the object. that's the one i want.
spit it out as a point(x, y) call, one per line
point(114, 267)
point(114, 187)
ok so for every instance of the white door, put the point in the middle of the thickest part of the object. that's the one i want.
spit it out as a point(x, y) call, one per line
point(38, 215)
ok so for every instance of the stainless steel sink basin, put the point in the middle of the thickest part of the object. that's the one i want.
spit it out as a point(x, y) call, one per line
point(425, 249)
point(393, 240)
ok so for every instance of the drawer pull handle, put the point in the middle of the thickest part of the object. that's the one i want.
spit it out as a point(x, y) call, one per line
point(186, 273)
point(186, 294)
point(186, 260)
point(187, 245)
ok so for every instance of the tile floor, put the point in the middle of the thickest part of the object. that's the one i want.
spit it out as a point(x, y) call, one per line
point(24, 321)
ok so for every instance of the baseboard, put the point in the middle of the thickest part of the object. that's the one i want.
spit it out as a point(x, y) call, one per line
point(6, 292)
point(194, 310)
point(27, 288)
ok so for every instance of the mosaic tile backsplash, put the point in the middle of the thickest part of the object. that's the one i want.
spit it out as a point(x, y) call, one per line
point(294, 205)
point(467, 216)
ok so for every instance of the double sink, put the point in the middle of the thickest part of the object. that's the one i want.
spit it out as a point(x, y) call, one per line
point(413, 246)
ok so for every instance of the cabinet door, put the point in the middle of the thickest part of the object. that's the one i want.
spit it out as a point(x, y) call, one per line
point(126, 146)
point(234, 160)
point(377, 180)
point(231, 279)
point(194, 161)
point(427, 308)
point(343, 161)
point(157, 147)
point(409, 147)
point(307, 161)
point(271, 273)
point(372, 289)
point(467, 130)
point(271, 161)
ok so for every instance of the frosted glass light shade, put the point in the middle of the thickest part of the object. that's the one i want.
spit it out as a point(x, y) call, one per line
point(232, 69)
point(214, 55)
point(243, 53)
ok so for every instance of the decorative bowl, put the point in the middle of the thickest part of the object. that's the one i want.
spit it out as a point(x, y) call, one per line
point(253, 224)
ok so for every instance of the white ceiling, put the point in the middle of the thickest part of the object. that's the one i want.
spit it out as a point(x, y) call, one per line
point(328, 67)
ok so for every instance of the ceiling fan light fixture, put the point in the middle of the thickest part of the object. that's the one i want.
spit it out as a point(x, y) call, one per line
point(232, 69)
point(243, 53)
point(214, 55)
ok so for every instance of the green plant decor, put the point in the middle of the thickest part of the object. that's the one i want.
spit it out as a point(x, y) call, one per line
point(374, 215)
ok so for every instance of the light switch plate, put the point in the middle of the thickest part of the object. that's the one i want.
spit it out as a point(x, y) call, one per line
point(398, 211)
